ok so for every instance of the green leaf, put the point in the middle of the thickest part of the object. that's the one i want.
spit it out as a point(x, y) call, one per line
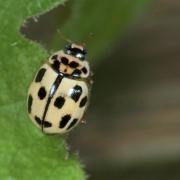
point(98, 24)
point(25, 152)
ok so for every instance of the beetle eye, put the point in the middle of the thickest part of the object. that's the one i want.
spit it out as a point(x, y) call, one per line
point(84, 51)
point(68, 47)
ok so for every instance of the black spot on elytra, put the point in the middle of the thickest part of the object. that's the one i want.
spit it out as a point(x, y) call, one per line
point(59, 102)
point(84, 70)
point(30, 101)
point(54, 57)
point(47, 124)
point(64, 60)
point(42, 93)
point(73, 64)
point(76, 93)
point(65, 119)
point(38, 120)
point(83, 102)
point(40, 75)
point(56, 65)
point(73, 123)
point(76, 73)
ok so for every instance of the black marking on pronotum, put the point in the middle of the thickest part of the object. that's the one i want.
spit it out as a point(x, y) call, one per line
point(73, 64)
point(73, 123)
point(51, 94)
point(76, 93)
point(72, 76)
point(56, 65)
point(65, 119)
point(83, 102)
point(59, 102)
point(30, 101)
point(40, 75)
point(84, 70)
point(54, 57)
point(64, 60)
point(42, 93)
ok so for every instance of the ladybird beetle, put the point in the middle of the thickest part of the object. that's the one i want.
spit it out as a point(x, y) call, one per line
point(59, 94)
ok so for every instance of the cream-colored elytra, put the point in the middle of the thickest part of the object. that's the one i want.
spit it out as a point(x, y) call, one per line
point(38, 105)
point(70, 106)
point(66, 107)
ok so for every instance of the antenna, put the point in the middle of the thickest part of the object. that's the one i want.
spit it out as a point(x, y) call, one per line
point(90, 36)
point(64, 37)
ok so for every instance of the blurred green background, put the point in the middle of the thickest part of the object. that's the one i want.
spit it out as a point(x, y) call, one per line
point(133, 122)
